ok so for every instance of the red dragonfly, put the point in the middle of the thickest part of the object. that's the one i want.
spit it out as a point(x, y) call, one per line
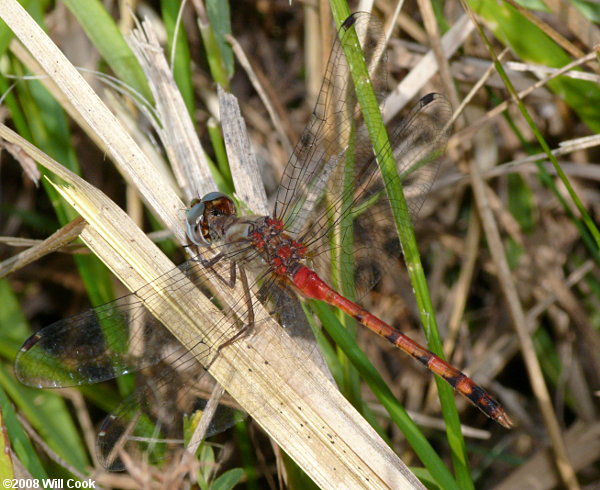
point(331, 193)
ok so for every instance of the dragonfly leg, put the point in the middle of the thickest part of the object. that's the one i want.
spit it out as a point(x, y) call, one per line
point(209, 263)
point(248, 325)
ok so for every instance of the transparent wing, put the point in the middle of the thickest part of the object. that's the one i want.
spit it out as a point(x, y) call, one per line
point(327, 136)
point(354, 215)
point(123, 336)
point(331, 195)
point(160, 416)
point(96, 345)
point(113, 339)
point(417, 142)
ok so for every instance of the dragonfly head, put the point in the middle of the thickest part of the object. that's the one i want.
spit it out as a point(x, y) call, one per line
point(201, 215)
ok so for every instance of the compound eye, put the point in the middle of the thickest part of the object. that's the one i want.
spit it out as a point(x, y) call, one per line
point(195, 224)
point(219, 204)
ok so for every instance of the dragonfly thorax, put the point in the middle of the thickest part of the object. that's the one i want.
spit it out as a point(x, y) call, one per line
point(213, 219)
point(278, 249)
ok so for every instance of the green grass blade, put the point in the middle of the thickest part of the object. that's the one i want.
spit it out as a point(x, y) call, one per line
point(547, 180)
point(13, 326)
point(49, 130)
point(379, 138)
point(532, 45)
point(50, 417)
point(248, 462)
point(182, 64)
point(222, 164)
point(228, 480)
point(342, 264)
point(214, 42)
point(219, 14)
point(45, 411)
point(19, 440)
point(108, 40)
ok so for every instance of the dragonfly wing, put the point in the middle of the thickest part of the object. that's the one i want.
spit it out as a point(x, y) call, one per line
point(364, 239)
point(417, 142)
point(98, 344)
point(327, 136)
point(113, 339)
point(105, 342)
point(160, 415)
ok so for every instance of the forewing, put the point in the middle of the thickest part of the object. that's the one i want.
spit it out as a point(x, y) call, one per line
point(105, 342)
point(324, 143)
point(93, 346)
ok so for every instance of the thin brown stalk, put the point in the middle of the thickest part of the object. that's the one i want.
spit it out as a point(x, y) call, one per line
point(412, 83)
point(500, 108)
point(54, 242)
point(433, 33)
point(255, 79)
point(534, 371)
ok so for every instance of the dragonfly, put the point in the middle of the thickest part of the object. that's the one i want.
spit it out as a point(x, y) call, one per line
point(331, 193)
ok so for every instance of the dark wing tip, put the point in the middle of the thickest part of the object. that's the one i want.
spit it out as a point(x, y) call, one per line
point(349, 22)
point(30, 342)
point(429, 98)
point(20, 366)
